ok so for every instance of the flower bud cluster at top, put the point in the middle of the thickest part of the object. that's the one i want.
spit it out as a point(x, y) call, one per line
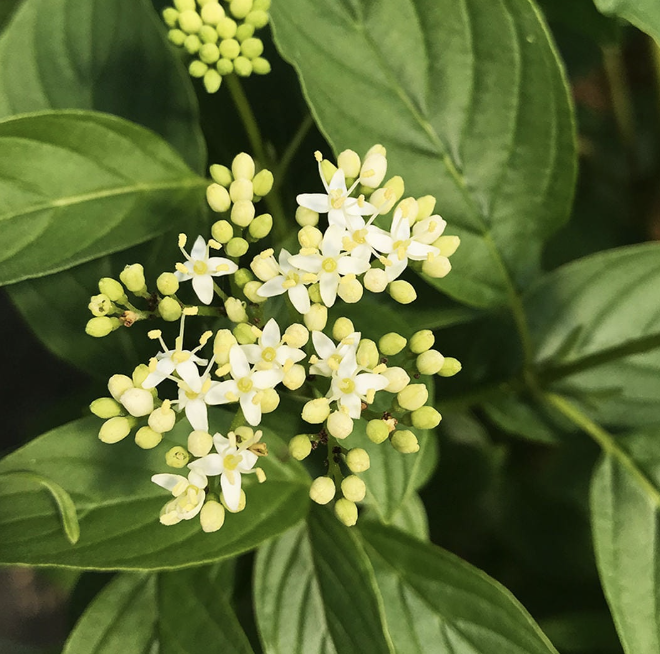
point(220, 37)
point(250, 360)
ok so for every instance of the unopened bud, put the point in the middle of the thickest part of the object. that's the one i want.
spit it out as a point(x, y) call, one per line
point(296, 335)
point(101, 326)
point(342, 328)
point(177, 457)
point(222, 231)
point(329, 169)
point(170, 16)
point(212, 13)
point(229, 48)
point(235, 310)
point(437, 267)
point(397, 377)
point(224, 340)
point(240, 8)
point(257, 18)
point(169, 309)
point(133, 278)
point(421, 341)
point(184, 5)
point(226, 29)
point(367, 354)
point(244, 32)
point(402, 292)
point(316, 411)
point(264, 266)
point(270, 400)
point(139, 375)
point(241, 188)
point(200, 443)
point(261, 226)
point(316, 318)
point(190, 21)
point(118, 385)
point(300, 446)
point(430, 362)
point(310, 237)
point(373, 170)
point(242, 213)
point(357, 460)
point(314, 292)
point(212, 516)
point(177, 37)
point(162, 419)
point(425, 417)
point(218, 198)
point(353, 488)
point(138, 402)
point(339, 424)
point(386, 197)
point(222, 175)
point(346, 511)
point(295, 377)
point(447, 245)
point(147, 438)
point(112, 288)
point(245, 334)
point(450, 367)
point(167, 283)
point(391, 344)
point(375, 280)
point(105, 407)
point(306, 217)
point(100, 305)
point(425, 206)
point(349, 162)
point(350, 290)
point(251, 291)
point(377, 431)
point(209, 54)
point(242, 276)
point(242, 501)
point(322, 490)
point(114, 430)
point(413, 396)
point(263, 180)
point(405, 441)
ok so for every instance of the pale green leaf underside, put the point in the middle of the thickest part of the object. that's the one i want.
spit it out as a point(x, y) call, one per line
point(644, 14)
point(469, 99)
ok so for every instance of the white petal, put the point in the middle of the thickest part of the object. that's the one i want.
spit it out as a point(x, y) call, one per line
point(309, 263)
point(369, 381)
point(231, 492)
point(329, 283)
point(167, 481)
point(210, 465)
point(249, 459)
point(348, 365)
point(332, 241)
point(165, 366)
point(364, 209)
point(220, 442)
point(284, 353)
point(182, 277)
point(198, 249)
point(397, 267)
point(197, 478)
point(283, 260)
point(272, 287)
point(214, 262)
point(318, 202)
point(338, 181)
point(263, 379)
point(152, 380)
point(337, 217)
point(187, 369)
point(197, 414)
point(218, 394)
point(419, 251)
point(353, 404)
point(380, 239)
point(203, 286)
point(271, 334)
point(299, 297)
point(252, 352)
point(239, 364)
point(192, 378)
point(323, 345)
point(351, 265)
point(251, 411)
point(320, 368)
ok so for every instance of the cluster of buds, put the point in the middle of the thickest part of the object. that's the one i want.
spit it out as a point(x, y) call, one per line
point(220, 37)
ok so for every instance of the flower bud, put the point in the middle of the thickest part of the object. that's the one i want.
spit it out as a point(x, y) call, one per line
point(208, 34)
point(242, 501)
point(229, 48)
point(322, 490)
point(184, 5)
point(306, 217)
point(112, 288)
point(101, 326)
point(437, 267)
point(375, 280)
point(261, 226)
point(224, 340)
point(209, 54)
point(421, 341)
point(244, 334)
point(300, 446)
point(413, 396)
point(192, 44)
point(377, 431)
point(349, 162)
point(346, 511)
point(251, 291)
point(118, 385)
point(401, 291)
point(405, 441)
point(242, 213)
point(329, 169)
point(263, 180)
point(409, 209)
point(244, 32)
point(197, 68)
point(138, 375)
point(170, 16)
point(270, 400)
point(200, 443)
point(373, 170)
point(264, 5)
point(169, 309)
point(100, 305)
point(386, 197)
point(314, 292)
point(339, 424)
point(226, 29)
point(296, 335)
point(235, 310)
point(212, 516)
point(316, 411)
point(447, 245)
point(138, 402)
point(264, 266)
point(367, 354)
point(218, 198)
point(350, 290)
point(425, 206)
point(114, 430)
point(133, 278)
point(167, 283)
point(342, 328)
point(222, 231)
point(425, 417)
point(398, 379)
point(430, 362)
point(162, 419)
point(105, 407)
point(147, 438)
point(177, 457)
point(353, 488)
point(450, 367)
point(257, 18)
point(429, 229)
point(221, 175)
point(357, 460)
point(391, 344)
point(212, 13)
point(240, 8)
point(241, 189)
point(243, 169)
point(295, 377)
point(190, 21)
point(310, 237)
point(316, 318)
point(237, 246)
point(242, 276)
point(177, 37)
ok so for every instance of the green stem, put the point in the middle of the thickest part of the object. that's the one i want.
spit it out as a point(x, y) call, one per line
point(291, 150)
point(334, 470)
point(238, 420)
point(220, 293)
point(606, 441)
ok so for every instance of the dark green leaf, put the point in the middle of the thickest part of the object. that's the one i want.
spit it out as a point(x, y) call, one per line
point(644, 14)
point(411, 517)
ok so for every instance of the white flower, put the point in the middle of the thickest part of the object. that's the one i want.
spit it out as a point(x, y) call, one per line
point(350, 387)
point(231, 461)
point(429, 230)
point(201, 268)
point(331, 355)
point(246, 386)
point(189, 496)
point(291, 280)
point(330, 264)
point(194, 390)
point(269, 352)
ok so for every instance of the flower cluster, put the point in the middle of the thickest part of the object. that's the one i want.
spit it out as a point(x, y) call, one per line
point(220, 37)
point(340, 376)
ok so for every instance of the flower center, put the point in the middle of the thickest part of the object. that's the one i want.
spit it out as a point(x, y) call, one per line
point(329, 265)
point(245, 385)
point(180, 357)
point(347, 385)
point(191, 395)
point(200, 268)
point(401, 247)
point(334, 361)
point(231, 461)
point(269, 354)
point(360, 236)
point(337, 198)
point(188, 500)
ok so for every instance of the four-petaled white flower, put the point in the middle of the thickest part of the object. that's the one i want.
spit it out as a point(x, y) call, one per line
point(330, 264)
point(201, 268)
point(195, 392)
point(331, 355)
point(292, 280)
point(269, 352)
point(231, 461)
point(188, 494)
point(245, 386)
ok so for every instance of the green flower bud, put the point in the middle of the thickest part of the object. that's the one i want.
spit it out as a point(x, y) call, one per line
point(192, 44)
point(105, 407)
point(139, 375)
point(316, 411)
point(169, 309)
point(405, 441)
point(438, 267)
point(306, 217)
point(377, 431)
point(209, 53)
point(329, 169)
point(243, 168)
point(237, 247)
point(147, 438)
point(101, 326)
point(112, 289)
point(115, 430)
point(421, 341)
point(398, 379)
point(349, 162)
point(240, 8)
point(200, 443)
point(257, 18)
point(100, 305)
point(242, 66)
point(357, 460)
point(170, 16)
point(208, 34)
point(261, 226)
point(244, 32)
point(252, 48)
point(391, 344)
point(263, 182)
point(413, 396)
point(162, 419)
point(260, 66)
point(367, 354)
point(296, 335)
point(184, 5)
point(190, 21)
point(118, 385)
point(242, 213)
point(264, 5)
point(235, 310)
point(270, 400)
point(251, 292)
point(230, 48)
point(245, 334)
point(339, 424)
point(322, 490)
point(350, 290)
point(242, 276)
point(197, 69)
point(401, 291)
point(310, 237)
point(241, 189)
point(450, 367)
point(300, 446)
point(425, 417)
point(316, 318)
point(375, 280)
point(425, 207)
point(447, 245)
point(346, 511)
point(222, 231)
point(225, 66)
point(430, 362)
point(342, 328)
point(409, 209)
point(133, 278)
point(212, 516)
point(177, 457)
point(353, 488)
point(241, 503)
point(226, 28)
point(221, 174)
point(212, 81)
point(167, 283)
point(177, 37)
point(224, 341)
point(212, 13)
point(314, 292)
point(138, 402)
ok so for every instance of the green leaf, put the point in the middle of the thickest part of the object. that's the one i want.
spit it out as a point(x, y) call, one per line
point(118, 505)
point(122, 619)
point(433, 80)
point(78, 185)
point(107, 55)
point(411, 517)
point(314, 592)
point(644, 14)
point(436, 602)
point(625, 510)
point(595, 325)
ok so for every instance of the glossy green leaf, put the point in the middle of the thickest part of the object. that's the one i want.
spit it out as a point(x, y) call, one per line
point(118, 505)
point(436, 602)
point(78, 185)
point(434, 80)
point(625, 509)
point(314, 592)
point(644, 14)
point(411, 517)
point(595, 324)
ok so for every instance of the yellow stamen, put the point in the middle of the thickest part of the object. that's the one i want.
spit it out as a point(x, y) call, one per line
point(183, 239)
point(182, 269)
